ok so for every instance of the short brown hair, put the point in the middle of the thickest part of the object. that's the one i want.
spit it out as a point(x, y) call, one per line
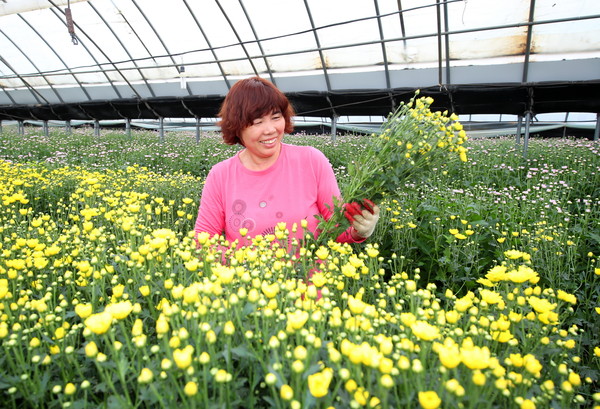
point(247, 100)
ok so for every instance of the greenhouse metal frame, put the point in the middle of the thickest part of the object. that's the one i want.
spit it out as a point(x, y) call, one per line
point(102, 60)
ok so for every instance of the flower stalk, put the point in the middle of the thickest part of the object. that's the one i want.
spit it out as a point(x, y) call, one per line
point(413, 141)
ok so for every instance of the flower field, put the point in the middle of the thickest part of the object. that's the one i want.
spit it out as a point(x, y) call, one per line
point(479, 288)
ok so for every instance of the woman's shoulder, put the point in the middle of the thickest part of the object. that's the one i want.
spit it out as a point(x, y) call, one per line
point(224, 166)
point(305, 152)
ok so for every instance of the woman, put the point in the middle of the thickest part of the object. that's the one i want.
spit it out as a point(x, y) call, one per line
point(268, 182)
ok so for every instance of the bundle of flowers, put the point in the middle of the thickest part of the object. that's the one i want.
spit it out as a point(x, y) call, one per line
point(413, 141)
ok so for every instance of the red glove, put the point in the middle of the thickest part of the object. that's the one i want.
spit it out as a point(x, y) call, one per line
point(354, 208)
point(351, 210)
point(369, 205)
point(363, 218)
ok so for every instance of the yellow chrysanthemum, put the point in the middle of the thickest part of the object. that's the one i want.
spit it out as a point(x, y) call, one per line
point(120, 310)
point(522, 274)
point(429, 400)
point(286, 392)
point(145, 376)
point(318, 383)
point(183, 357)
point(297, 319)
point(540, 305)
point(475, 357)
point(490, 297)
point(564, 296)
point(190, 388)
point(99, 323)
point(83, 310)
point(449, 355)
point(425, 331)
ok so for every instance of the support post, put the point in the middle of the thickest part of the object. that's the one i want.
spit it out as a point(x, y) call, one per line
point(96, 127)
point(128, 126)
point(20, 127)
point(68, 128)
point(45, 127)
point(526, 138)
point(161, 129)
point(519, 125)
point(0, 126)
point(565, 125)
point(597, 130)
point(197, 130)
point(334, 128)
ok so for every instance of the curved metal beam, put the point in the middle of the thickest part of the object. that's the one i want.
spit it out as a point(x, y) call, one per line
point(240, 42)
point(147, 105)
point(408, 37)
point(133, 30)
point(258, 42)
point(124, 48)
point(212, 50)
point(110, 103)
point(387, 40)
point(383, 50)
point(88, 51)
point(34, 65)
point(31, 89)
point(402, 38)
point(439, 41)
point(84, 111)
point(187, 87)
point(57, 55)
point(321, 56)
point(401, 15)
point(447, 44)
point(184, 105)
point(107, 58)
point(12, 100)
point(528, 43)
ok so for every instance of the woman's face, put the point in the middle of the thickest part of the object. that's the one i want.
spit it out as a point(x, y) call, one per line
point(263, 137)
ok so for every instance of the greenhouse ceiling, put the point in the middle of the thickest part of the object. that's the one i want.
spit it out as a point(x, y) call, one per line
point(148, 59)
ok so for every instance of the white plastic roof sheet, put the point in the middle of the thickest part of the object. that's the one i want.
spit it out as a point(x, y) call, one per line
point(145, 49)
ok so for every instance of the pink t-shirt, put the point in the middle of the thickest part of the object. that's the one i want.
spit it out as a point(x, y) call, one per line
point(297, 186)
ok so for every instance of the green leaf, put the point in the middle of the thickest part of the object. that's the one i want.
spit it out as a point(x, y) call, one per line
point(314, 368)
point(249, 308)
point(242, 351)
point(79, 404)
point(270, 401)
point(594, 236)
point(115, 402)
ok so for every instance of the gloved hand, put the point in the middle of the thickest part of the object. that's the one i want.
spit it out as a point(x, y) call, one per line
point(362, 218)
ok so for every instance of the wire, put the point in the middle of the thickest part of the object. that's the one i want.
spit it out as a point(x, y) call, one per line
point(245, 43)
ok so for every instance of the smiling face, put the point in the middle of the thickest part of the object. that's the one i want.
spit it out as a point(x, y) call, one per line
point(249, 101)
point(262, 140)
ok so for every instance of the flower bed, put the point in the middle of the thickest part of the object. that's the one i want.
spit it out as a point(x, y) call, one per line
point(107, 301)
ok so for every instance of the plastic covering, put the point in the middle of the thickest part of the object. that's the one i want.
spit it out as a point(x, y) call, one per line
point(177, 58)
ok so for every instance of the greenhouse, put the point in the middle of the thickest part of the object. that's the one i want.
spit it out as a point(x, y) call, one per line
point(127, 60)
point(412, 221)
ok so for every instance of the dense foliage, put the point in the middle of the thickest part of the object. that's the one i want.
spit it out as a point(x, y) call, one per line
point(478, 289)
